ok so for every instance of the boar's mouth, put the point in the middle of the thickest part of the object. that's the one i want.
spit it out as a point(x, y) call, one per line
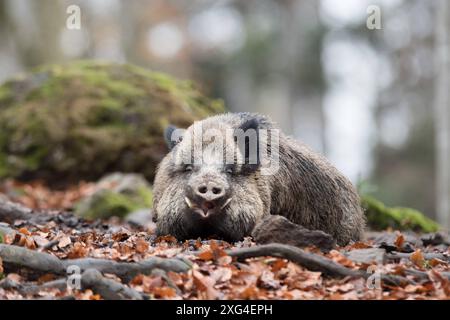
point(205, 211)
point(208, 224)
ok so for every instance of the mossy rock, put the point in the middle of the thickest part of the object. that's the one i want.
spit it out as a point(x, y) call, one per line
point(84, 119)
point(380, 217)
point(117, 195)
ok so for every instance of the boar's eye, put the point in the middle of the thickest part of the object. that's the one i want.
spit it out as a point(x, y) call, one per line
point(188, 168)
point(230, 169)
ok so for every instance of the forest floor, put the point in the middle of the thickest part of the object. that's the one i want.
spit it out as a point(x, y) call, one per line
point(419, 264)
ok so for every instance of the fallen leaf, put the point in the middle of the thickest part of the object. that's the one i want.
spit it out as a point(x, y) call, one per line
point(399, 241)
point(64, 242)
point(279, 264)
point(417, 258)
point(77, 251)
point(206, 255)
point(205, 284)
point(25, 231)
point(221, 274)
point(435, 262)
point(164, 292)
point(141, 246)
point(267, 281)
point(29, 243)
point(250, 293)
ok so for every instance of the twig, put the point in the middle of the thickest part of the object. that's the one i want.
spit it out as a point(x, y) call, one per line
point(107, 288)
point(14, 256)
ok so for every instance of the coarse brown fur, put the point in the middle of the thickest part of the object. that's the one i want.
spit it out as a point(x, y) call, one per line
point(306, 189)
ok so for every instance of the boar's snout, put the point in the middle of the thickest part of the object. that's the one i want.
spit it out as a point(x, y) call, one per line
point(207, 196)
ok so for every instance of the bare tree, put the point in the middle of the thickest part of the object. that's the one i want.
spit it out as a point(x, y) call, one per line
point(442, 112)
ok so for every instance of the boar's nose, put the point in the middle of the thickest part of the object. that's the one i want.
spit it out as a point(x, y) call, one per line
point(210, 191)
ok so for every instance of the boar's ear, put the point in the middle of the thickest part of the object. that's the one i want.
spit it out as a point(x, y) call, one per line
point(172, 136)
point(252, 123)
point(249, 144)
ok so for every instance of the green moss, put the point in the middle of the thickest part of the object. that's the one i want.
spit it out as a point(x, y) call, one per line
point(108, 203)
point(380, 217)
point(83, 119)
point(5, 94)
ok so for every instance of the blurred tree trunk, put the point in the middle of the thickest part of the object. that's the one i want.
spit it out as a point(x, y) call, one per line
point(442, 113)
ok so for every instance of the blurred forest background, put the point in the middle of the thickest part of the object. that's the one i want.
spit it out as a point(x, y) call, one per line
point(362, 97)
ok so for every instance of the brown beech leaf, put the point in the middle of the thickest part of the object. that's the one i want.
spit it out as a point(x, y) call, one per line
point(1, 266)
point(64, 242)
point(250, 293)
point(46, 278)
point(279, 264)
point(25, 231)
point(399, 241)
point(435, 262)
point(141, 246)
point(167, 239)
point(267, 281)
point(217, 250)
point(206, 285)
point(206, 255)
point(164, 292)
point(417, 258)
point(360, 245)
point(29, 243)
point(221, 274)
point(77, 251)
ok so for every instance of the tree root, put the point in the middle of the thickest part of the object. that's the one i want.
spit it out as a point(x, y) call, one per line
point(31, 288)
point(107, 288)
point(427, 256)
point(90, 279)
point(14, 256)
point(10, 211)
point(310, 261)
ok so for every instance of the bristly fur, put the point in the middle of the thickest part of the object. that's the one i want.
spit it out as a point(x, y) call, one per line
point(306, 189)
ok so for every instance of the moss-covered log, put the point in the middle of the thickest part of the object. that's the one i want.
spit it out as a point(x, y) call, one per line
point(381, 217)
point(83, 119)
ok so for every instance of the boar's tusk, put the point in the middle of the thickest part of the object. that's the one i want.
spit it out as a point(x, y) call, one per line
point(226, 203)
point(188, 202)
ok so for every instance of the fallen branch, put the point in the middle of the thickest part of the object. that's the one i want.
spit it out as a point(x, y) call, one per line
point(308, 260)
point(31, 288)
point(426, 255)
point(278, 229)
point(107, 288)
point(11, 211)
point(424, 275)
point(5, 230)
point(14, 256)
point(311, 261)
point(90, 279)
